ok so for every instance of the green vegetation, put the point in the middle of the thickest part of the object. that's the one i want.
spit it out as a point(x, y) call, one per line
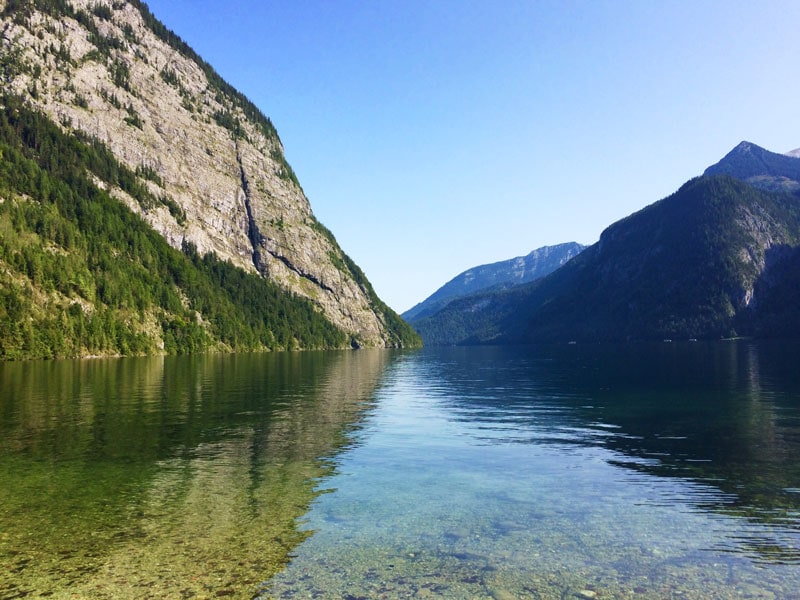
point(684, 267)
point(402, 334)
point(227, 120)
point(121, 75)
point(105, 43)
point(81, 274)
point(149, 173)
point(80, 101)
point(129, 33)
point(111, 98)
point(169, 76)
point(235, 98)
point(133, 119)
point(285, 170)
point(102, 11)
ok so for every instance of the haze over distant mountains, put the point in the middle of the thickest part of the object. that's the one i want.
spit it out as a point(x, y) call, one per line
point(499, 275)
point(718, 258)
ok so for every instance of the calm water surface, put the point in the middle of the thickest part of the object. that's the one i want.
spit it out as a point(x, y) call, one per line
point(178, 477)
point(665, 471)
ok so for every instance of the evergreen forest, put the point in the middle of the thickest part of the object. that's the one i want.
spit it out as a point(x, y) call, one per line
point(719, 258)
point(81, 274)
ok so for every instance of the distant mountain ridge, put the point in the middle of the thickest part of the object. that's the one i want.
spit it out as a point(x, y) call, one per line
point(499, 275)
point(720, 257)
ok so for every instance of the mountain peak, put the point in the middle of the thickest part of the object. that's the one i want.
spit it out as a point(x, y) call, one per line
point(760, 167)
point(745, 146)
point(744, 155)
point(716, 258)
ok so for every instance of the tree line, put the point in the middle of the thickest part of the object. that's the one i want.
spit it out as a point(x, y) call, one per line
point(82, 274)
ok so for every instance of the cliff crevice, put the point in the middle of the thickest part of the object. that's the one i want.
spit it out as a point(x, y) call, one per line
point(253, 233)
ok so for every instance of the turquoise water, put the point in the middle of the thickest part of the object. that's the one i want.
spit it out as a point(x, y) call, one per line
point(663, 471)
point(622, 472)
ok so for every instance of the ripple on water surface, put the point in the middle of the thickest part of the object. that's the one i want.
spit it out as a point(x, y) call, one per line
point(483, 491)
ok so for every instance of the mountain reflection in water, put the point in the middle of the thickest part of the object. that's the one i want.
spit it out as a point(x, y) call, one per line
point(167, 477)
point(724, 415)
point(629, 471)
point(665, 470)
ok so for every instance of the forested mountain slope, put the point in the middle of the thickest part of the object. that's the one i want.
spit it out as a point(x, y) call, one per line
point(503, 274)
point(760, 167)
point(718, 258)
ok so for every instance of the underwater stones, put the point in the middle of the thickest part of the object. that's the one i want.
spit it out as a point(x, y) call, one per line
point(503, 594)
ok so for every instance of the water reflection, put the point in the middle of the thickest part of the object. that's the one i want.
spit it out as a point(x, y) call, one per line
point(732, 427)
point(167, 477)
point(567, 472)
point(725, 416)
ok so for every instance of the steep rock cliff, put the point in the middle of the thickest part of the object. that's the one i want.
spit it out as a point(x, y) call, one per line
point(109, 70)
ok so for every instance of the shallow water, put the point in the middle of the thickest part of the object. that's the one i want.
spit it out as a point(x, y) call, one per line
point(616, 472)
point(178, 477)
point(664, 471)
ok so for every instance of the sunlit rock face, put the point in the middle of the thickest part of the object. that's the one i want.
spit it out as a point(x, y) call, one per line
point(111, 71)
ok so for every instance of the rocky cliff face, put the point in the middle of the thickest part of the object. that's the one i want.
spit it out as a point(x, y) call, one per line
point(110, 71)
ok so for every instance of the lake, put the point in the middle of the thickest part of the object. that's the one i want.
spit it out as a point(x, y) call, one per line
point(632, 471)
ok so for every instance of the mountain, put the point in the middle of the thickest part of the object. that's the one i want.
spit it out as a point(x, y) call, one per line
point(503, 274)
point(761, 168)
point(717, 258)
point(117, 129)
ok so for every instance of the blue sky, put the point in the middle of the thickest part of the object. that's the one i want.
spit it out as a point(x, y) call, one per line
point(433, 136)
